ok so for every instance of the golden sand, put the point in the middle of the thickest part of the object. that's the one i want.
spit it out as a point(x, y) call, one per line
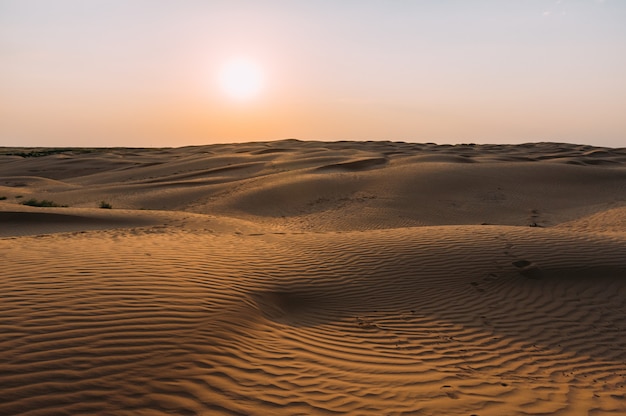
point(295, 277)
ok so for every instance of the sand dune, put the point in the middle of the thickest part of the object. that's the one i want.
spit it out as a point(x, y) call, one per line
point(30, 222)
point(315, 278)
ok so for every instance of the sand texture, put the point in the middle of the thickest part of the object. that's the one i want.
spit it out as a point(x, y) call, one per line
point(301, 278)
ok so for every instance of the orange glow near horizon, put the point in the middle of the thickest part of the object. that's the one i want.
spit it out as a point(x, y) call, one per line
point(198, 73)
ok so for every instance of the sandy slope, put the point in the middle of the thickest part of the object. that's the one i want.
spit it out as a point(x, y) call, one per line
point(315, 278)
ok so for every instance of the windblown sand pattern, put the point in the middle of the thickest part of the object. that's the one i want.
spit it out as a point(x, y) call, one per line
point(314, 278)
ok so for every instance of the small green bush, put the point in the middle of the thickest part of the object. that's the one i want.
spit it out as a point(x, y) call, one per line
point(43, 203)
point(105, 205)
point(41, 152)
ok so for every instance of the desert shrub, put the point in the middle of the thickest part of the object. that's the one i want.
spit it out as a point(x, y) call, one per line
point(105, 205)
point(43, 151)
point(2, 198)
point(43, 203)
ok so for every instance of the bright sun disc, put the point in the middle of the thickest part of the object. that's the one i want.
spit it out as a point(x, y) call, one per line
point(241, 79)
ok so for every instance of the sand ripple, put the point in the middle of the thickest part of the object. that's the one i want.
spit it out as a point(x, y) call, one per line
point(425, 320)
point(299, 278)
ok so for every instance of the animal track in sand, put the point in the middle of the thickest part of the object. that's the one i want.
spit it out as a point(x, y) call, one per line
point(450, 391)
point(528, 269)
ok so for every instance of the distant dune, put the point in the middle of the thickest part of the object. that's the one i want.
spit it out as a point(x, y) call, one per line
point(291, 277)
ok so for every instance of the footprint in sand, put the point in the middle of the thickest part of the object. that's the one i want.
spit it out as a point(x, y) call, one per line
point(476, 286)
point(366, 323)
point(450, 392)
point(534, 218)
point(528, 269)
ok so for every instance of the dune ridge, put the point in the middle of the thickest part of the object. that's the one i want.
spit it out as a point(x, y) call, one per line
point(316, 278)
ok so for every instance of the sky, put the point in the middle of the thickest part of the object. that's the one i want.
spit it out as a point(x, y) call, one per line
point(140, 73)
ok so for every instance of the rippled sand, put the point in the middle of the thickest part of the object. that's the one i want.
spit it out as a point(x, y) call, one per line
point(294, 277)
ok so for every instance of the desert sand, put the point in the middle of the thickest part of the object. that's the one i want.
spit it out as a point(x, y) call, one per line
point(297, 278)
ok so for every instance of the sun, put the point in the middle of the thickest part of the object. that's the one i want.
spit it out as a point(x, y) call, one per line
point(241, 79)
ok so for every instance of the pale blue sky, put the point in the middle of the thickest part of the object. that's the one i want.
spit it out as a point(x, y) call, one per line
point(144, 72)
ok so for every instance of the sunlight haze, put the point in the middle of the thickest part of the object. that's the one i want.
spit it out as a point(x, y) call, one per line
point(152, 73)
point(241, 79)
